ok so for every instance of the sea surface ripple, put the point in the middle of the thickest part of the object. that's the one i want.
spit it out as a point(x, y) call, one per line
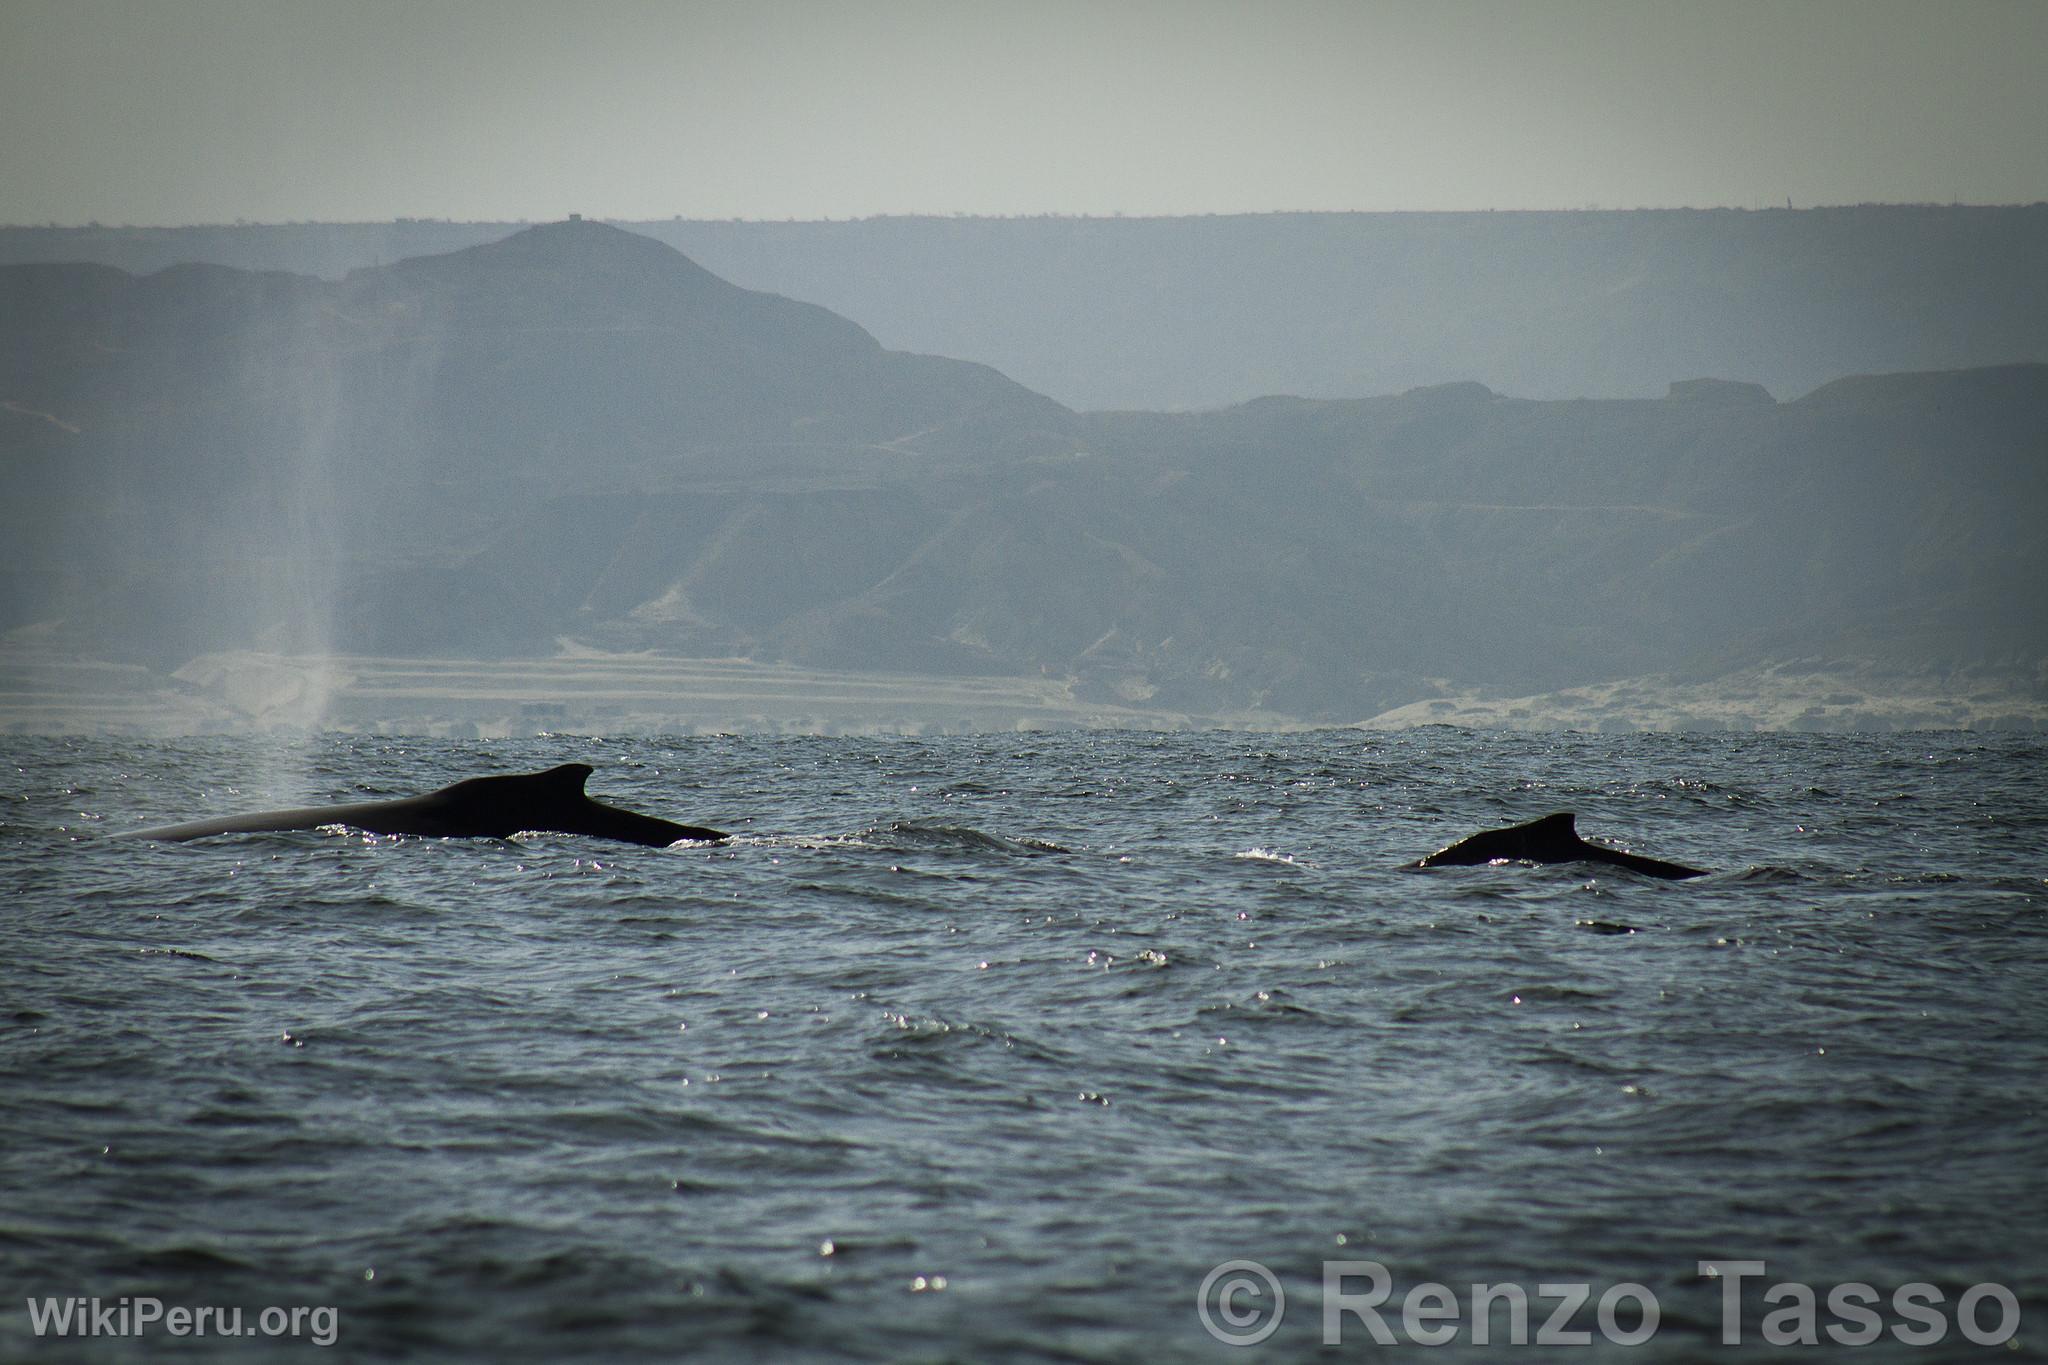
point(989, 1048)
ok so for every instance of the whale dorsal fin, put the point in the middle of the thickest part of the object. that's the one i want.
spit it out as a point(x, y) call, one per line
point(1563, 825)
point(565, 780)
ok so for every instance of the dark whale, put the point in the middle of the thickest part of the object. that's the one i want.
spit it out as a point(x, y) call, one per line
point(479, 807)
point(1553, 839)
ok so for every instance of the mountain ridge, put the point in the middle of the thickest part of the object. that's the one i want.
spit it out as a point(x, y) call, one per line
point(482, 455)
point(1193, 313)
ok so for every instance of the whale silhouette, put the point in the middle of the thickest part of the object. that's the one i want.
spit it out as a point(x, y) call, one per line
point(1553, 839)
point(478, 807)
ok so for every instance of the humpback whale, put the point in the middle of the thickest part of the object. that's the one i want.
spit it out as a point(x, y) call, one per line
point(1553, 839)
point(479, 807)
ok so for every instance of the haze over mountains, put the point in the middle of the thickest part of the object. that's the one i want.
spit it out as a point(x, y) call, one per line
point(575, 433)
point(1181, 313)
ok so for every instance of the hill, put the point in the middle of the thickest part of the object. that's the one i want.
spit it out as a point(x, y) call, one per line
point(191, 455)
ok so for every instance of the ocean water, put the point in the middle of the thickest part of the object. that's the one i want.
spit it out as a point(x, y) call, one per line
point(993, 1048)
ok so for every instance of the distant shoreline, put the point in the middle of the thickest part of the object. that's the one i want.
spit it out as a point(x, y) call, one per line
point(49, 693)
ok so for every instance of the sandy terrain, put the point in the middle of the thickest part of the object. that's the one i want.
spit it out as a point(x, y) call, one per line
point(579, 691)
point(43, 691)
point(1801, 695)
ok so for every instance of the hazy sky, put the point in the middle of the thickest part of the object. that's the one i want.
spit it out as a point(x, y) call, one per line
point(173, 111)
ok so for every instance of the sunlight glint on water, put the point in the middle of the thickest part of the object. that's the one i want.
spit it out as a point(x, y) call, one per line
point(991, 1047)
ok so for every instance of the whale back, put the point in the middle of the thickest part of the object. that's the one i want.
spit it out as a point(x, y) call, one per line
point(486, 807)
point(1552, 839)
